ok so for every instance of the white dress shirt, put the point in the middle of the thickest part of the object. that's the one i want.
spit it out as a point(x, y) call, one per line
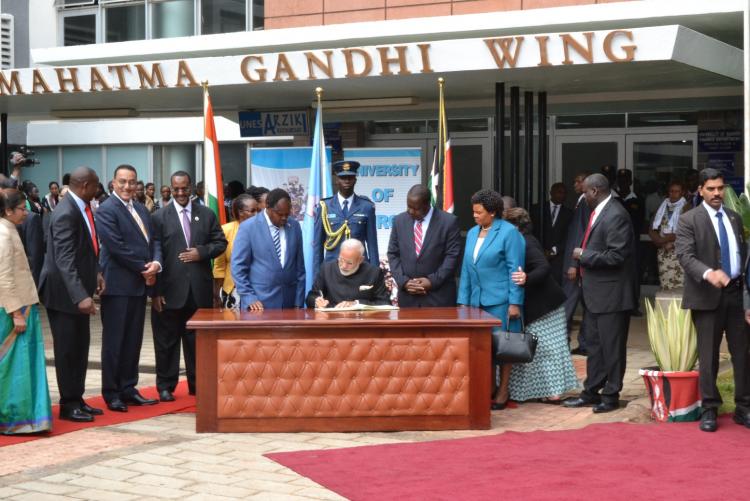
point(425, 223)
point(82, 207)
point(341, 201)
point(179, 209)
point(554, 213)
point(600, 208)
point(282, 236)
point(734, 250)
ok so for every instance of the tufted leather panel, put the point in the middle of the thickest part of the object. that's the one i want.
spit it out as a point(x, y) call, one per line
point(342, 377)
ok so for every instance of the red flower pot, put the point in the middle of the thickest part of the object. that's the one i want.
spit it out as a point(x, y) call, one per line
point(675, 396)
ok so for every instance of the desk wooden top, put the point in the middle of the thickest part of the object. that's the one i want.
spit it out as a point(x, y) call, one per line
point(422, 317)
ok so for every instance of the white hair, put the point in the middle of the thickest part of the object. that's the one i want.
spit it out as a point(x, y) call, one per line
point(353, 244)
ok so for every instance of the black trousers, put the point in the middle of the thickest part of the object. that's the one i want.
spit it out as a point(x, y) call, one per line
point(71, 336)
point(606, 338)
point(711, 325)
point(573, 292)
point(169, 330)
point(122, 338)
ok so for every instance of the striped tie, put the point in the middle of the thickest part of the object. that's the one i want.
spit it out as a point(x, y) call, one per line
point(418, 237)
point(277, 241)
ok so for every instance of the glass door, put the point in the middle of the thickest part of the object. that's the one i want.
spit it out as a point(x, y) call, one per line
point(576, 153)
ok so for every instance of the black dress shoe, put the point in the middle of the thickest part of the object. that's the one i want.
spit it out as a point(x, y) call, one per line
point(498, 406)
point(138, 399)
point(742, 418)
point(117, 405)
point(603, 407)
point(91, 410)
point(166, 396)
point(579, 351)
point(191, 392)
point(76, 415)
point(580, 402)
point(708, 420)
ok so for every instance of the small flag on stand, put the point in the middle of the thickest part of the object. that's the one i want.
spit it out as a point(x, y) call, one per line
point(441, 175)
point(214, 195)
point(319, 186)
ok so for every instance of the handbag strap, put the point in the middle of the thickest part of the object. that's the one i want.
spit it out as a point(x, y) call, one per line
point(507, 322)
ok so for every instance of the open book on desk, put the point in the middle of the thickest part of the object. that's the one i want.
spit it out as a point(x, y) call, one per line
point(362, 307)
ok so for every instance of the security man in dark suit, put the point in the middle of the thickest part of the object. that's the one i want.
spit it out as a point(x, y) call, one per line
point(553, 228)
point(189, 237)
point(607, 270)
point(343, 216)
point(711, 248)
point(129, 264)
point(70, 277)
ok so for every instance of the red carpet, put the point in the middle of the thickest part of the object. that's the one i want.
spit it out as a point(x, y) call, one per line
point(616, 461)
point(183, 403)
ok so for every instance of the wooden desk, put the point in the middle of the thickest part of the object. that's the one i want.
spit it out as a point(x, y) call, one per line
point(301, 370)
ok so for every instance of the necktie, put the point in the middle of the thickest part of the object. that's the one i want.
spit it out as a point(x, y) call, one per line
point(94, 239)
point(276, 241)
point(418, 237)
point(555, 208)
point(138, 220)
point(186, 225)
point(588, 230)
point(726, 262)
point(346, 208)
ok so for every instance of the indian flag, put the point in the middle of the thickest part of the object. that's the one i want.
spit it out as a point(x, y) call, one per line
point(214, 196)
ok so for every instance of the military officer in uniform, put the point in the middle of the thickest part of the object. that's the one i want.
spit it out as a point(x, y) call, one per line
point(343, 216)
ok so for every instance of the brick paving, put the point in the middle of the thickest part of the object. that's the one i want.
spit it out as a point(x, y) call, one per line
point(163, 457)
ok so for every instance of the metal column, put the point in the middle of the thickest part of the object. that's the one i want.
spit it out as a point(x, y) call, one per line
point(515, 143)
point(528, 143)
point(499, 163)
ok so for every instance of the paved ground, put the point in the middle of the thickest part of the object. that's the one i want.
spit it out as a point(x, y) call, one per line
point(163, 457)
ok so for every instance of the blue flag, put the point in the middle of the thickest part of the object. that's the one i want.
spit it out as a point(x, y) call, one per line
point(318, 186)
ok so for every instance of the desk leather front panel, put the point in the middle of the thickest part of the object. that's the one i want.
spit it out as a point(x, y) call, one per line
point(306, 378)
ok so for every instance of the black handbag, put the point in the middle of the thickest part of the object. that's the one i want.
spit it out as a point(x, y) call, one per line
point(514, 347)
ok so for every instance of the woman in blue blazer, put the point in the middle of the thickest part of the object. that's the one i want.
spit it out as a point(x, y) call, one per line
point(494, 250)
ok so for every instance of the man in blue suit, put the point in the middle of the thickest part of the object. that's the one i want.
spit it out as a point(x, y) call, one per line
point(129, 261)
point(343, 216)
point(268, 265)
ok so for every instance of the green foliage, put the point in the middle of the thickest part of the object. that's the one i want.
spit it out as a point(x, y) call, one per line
point(672, 336)
point(740, 205)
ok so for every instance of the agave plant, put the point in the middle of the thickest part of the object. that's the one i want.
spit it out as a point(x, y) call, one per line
point(740, 205)
point(672, 336)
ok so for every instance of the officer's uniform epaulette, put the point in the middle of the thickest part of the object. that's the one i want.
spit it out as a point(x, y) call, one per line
point(365, 198)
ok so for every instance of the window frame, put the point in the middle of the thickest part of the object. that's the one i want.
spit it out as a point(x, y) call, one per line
point(78, 12)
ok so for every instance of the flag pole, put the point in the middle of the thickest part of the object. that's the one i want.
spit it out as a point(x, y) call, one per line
point(204, 85)
point(321, 175)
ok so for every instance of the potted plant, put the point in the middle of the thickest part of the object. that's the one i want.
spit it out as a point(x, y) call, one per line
point(673, 385)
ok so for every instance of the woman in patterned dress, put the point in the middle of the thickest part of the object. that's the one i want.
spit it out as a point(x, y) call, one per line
point(662, 233)
point(551, 373)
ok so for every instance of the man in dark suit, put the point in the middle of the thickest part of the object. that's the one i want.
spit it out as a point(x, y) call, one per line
point(570, 279)
point(128, 264)
point(423, 252)
point(187, 237)
point(711, 249)
point(348, 281)
point(268, 265)
point(556, 219)
point(70, 277)
point(343, 216)
point(607, 265)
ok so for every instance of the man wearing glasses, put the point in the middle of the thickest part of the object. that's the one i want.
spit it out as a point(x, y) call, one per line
point(189, 237)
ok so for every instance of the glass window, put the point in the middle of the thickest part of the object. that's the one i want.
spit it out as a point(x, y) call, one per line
point(233, 162)
point(172, 18)
point(662, 119)
point(88, 156)
point(125, 23)
point(169, 158)
point(79, 30)
point(135, 155)
point(222, 16)
point(258, 14)
point(397, 127)
point(614, 120)
point(45, 171)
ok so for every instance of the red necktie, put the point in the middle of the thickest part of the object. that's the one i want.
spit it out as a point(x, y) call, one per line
point(588, 230)
point(94, 240)
point(418, 237)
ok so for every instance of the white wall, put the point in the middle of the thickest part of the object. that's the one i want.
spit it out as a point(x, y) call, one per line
point(43, 24)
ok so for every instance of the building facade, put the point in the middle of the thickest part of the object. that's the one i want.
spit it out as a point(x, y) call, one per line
point(654, 87)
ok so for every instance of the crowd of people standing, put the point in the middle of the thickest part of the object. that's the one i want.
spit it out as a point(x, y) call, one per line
point(124, 246)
